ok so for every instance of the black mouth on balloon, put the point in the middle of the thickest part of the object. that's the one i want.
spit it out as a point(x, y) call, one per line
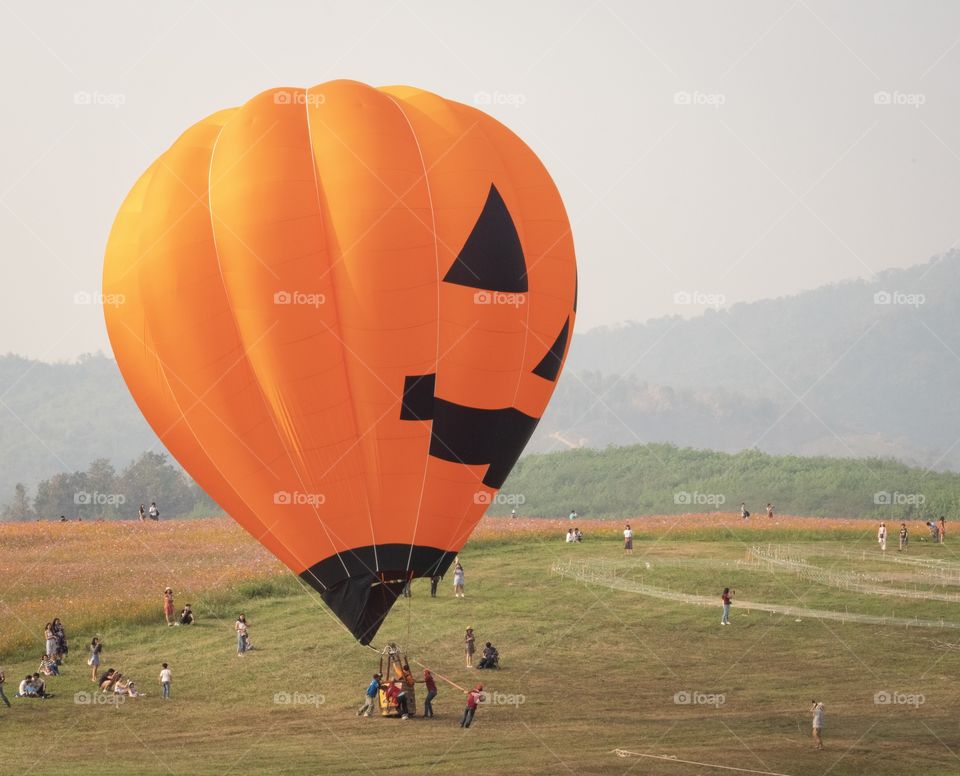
point(362, 584)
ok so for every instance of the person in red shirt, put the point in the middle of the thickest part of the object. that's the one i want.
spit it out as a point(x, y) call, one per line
point(725, 598)
point(473, 700)
point(431, 693)
point(398, 695)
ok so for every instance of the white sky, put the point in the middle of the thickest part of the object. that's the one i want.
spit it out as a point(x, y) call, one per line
point(798, 178)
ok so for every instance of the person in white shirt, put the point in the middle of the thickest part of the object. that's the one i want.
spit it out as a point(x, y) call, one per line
point(569, 536)
point(627, 540)
point(166, 677)
point(817, 724)
point(153, 512)
point(882, 536)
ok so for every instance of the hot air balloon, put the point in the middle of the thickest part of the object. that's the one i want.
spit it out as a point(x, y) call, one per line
point(345, 309)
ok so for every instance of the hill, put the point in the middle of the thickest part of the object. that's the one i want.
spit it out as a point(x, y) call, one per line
point(852, 369)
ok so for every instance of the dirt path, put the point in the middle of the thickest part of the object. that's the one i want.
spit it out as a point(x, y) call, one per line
point(583, 574)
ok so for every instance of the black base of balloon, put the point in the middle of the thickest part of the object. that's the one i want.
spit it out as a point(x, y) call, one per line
point(361, 585)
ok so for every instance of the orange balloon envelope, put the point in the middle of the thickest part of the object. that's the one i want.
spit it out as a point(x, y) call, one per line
point(344, 310)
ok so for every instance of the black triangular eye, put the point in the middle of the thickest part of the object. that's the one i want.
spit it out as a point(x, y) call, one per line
point(549, 366)
point(492, 257)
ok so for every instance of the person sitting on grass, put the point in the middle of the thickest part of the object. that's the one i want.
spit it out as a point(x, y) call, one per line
point(48, 666)
point(104, 676)
point(39, 686)
point(491, 658)
point(26, 688)
point(186, 616)
point(107, 684)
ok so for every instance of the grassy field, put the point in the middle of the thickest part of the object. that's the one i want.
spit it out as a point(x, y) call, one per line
point(587, 668)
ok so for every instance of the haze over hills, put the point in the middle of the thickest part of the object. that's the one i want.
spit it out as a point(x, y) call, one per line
point(853, 369)
point(857, 368)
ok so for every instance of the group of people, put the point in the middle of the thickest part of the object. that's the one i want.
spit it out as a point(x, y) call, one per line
point(151, 513)
point(745, 513)
point(490, 659)
point(186, 616)
point(395, 694)
point(115, 682)
point(574, 535)
point(55, 641)
point(937, 528)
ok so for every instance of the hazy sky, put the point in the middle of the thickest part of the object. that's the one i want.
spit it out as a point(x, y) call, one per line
point(734, 149)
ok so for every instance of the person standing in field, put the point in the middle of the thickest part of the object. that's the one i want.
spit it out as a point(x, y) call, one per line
point(60, 634)
point(166, 677)
point(458, 581)
point(770, 510)
point(168, 605)
point(817, 710)
point(473, 700)
point(50, 638)
point(434, 582)
point(96, 650)
point(904, 537)
point(370, 697)
point(627, 540)
point(3, 696)
point(943, 528)
point(153, 512)
point(469, 645)
point(882, 536)
point(142, 513)
point(240, 626)
point(725, 598)
point(744, 512)
point(428, 680)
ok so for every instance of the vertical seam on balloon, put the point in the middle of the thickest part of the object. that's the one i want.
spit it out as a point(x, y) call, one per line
point(436, 256)
point(256, 380)
point(343, 349)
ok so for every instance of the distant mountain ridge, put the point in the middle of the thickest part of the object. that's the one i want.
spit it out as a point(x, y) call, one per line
point(855, 369)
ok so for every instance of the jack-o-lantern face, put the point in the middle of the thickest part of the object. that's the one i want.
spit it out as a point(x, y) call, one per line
point(345, 311)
